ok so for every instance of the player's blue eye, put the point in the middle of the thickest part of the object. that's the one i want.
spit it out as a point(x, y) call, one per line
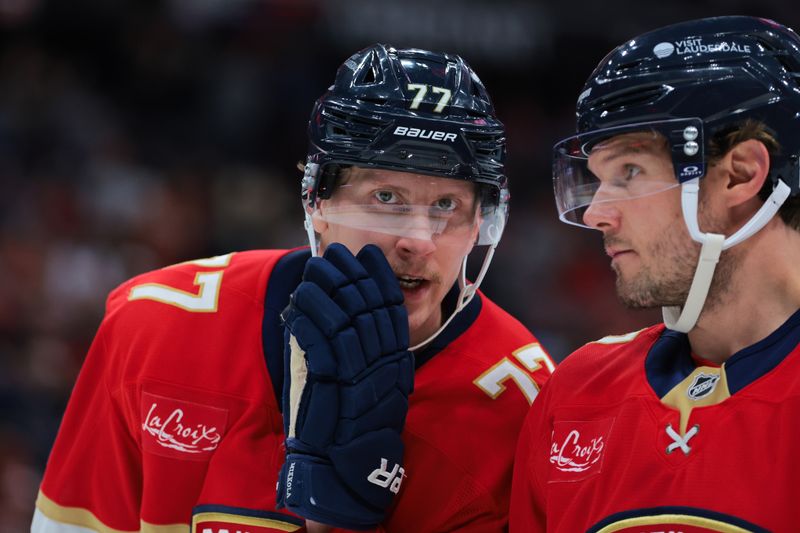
point(386, 197)
point(446, 204)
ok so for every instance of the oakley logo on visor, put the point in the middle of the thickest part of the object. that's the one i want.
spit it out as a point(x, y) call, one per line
point(687, 172)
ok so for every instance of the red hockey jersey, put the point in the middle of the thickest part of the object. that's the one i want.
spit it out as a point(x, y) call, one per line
point(636, 434)
point(174, 419)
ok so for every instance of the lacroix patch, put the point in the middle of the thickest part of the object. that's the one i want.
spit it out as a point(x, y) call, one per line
point(577, 448)
point(181, 429)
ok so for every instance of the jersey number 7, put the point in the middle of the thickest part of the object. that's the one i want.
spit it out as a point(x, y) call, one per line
point(532, 357)
point(203, 301)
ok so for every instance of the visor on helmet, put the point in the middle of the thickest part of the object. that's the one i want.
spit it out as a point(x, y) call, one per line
point(419, 209)
point(624, 163)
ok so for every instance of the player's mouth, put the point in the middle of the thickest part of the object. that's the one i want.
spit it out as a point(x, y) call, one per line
point(410, 282)
point(615, 253)
point(415, 287)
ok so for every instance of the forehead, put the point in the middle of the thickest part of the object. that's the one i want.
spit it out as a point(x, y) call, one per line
point(639, 142)
point(359, 176)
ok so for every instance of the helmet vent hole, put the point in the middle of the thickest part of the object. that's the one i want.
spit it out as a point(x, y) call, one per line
point(371, 72)
point(789, 63)
point(635, 97)
point(629, 66)
point(370, 76)
point(476, 91)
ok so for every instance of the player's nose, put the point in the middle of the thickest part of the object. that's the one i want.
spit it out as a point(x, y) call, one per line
point(603, 216)
point(416, 245)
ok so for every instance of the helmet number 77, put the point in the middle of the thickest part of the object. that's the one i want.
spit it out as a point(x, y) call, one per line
point(422, 90)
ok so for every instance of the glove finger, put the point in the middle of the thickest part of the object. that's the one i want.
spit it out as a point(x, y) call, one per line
point(320, 309)
point(340, 257)
point(349, 354)
point(370, 337)
point(399, 318)
point(405, 374)
point(323, 273)
point(378, 268)
point(385, 328)
point(336, 283)
point(370, 292)
point(350, 300)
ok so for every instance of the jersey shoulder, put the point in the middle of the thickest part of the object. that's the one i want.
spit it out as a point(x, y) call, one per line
point(608, 367)
point(194, 286)
point(204, 315)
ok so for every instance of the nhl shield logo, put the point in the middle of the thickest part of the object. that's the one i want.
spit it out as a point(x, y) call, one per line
point(702, 385)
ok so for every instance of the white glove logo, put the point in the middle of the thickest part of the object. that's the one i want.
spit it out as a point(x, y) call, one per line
point(384, 478)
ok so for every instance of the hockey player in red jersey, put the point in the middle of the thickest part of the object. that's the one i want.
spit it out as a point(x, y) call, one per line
point(254, 390)
point(686, 159)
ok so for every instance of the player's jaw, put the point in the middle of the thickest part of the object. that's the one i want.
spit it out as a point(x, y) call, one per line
point(657, 273)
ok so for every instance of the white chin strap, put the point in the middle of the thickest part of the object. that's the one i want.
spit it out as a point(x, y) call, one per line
point(466, 291)
point(312, 237)
point(684, 319)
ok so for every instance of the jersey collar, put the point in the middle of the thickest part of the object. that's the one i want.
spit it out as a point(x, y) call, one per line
point(670, 361)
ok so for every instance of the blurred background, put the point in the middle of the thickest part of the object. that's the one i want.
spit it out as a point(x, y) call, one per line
point(136, 134)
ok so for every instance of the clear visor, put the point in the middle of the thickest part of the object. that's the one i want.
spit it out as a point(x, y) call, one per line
point(616, 164)
point(414, 207)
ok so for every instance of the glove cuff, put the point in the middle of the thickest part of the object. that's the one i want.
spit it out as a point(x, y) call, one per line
point(310, 487)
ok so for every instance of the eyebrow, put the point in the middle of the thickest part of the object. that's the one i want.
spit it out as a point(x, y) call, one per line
point(638, 147)
point(457, 192)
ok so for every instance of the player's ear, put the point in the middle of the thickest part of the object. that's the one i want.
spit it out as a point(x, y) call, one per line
point(747, 167)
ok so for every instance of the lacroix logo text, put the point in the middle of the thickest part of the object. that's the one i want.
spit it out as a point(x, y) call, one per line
point(181, 429)
point(577, 448)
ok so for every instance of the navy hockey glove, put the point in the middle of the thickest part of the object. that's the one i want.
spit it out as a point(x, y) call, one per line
point(348, 374)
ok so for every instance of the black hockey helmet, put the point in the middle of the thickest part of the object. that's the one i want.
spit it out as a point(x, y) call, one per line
point(407, 110)
point(691, 81)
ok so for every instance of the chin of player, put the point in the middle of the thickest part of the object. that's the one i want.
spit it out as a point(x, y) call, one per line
point(420, 317)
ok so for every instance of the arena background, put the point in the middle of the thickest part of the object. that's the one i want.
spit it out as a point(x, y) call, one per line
point(135, 134)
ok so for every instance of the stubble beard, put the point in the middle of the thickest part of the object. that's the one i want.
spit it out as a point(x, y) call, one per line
point(667, 272)
point(663, 280)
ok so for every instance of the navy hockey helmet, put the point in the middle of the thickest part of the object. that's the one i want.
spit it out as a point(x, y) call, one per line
point(416, 111)
point(689, 82)
point(407, 110)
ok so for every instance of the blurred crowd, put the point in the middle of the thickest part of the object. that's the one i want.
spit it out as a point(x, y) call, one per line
point(134, 135)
